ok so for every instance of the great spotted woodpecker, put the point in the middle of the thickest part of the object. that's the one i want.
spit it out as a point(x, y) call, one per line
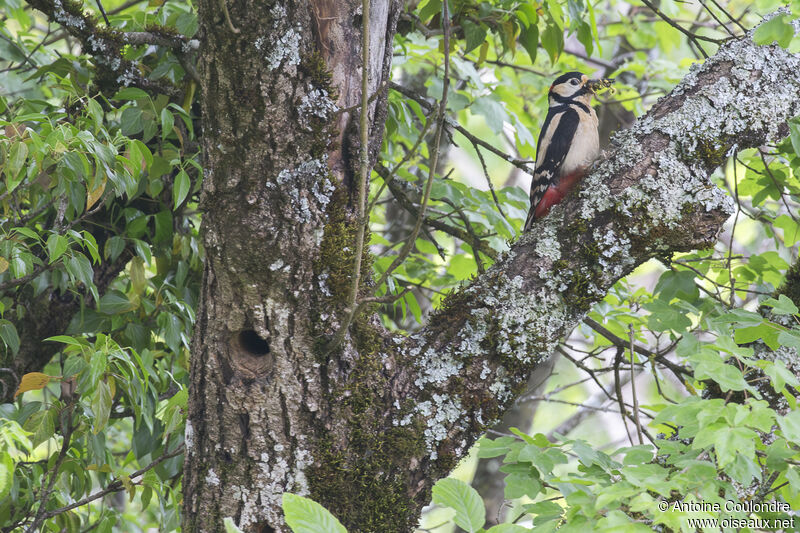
point(568, 143)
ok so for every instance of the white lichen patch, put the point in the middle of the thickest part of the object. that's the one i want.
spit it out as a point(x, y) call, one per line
point(528, 323)
point(614, 258)
point(547, 244)
point(285, 50)
point(307, 187)
point(316, 104)
point(211, 477)
point(67, 20)
point(273, 476)
point(435, 367)
point(761, 92)
point(441, 414)
point(188, 435)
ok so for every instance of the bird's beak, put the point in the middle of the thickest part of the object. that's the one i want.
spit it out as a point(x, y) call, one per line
point(597, 84)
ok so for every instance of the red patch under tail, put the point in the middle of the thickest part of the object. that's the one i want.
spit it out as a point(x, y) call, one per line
point(554, 195)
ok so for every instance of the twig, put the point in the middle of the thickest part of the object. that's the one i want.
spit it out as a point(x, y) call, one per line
point(775, 182)
point(633, 389)
point(409, 206)
point(361, 223)
point(733, 232)
point(393, 172)
point(676, 369)
point(489, 181)
point(224, 7)
point(114, 486)
point(41, 516)
point(731, 17)
point(475, 240)
point(103, 12)
point(693, 37)
point(440, 121)
point(618, 389)
point(519, 163)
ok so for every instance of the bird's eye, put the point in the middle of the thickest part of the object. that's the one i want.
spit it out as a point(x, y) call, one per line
point(574, 81)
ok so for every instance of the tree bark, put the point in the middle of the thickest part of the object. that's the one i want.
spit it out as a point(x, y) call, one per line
point(368, 427)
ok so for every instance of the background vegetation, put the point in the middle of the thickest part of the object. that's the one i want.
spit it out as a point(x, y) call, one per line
point(681, 385)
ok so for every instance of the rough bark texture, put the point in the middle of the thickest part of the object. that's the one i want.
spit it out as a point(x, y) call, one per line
point(367, 428)
point(277, 197)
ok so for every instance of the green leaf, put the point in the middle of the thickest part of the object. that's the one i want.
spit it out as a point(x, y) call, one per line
point(455, 494)
point(794, 129)
point(730, 442)
point(778, 374)
point(114, 247)
point(519, 485)
point(508, 528)
point(553, 41)
point(167, 122)
point(665, 317)
point(101, 406)
point(131, 121)
point(474, 34)
point(790, 426)
point(791, 229)
point(790, 338)
point(782, 306)
point(43, 424)
point(16, 160)
point(181, 188)
point(6, 475)
point(777, 29)
point(8, 333)
point(130, 93)
point(97, 366)
point(529, 39)
point(56, 246)
point(429, 9)
point(494, 447)
point(307, 516)
point(95, 112)
point(585, 37)
point(114, 302)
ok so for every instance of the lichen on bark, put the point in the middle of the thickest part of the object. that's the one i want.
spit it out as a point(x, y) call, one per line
point(367, 428)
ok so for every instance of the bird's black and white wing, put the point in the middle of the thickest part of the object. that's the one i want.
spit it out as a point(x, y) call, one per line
point(552, 148)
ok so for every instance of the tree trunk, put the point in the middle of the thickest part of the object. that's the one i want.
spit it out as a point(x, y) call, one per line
point(368, 427)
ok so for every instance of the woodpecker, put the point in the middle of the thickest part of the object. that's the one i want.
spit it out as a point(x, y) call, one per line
point(568, 143)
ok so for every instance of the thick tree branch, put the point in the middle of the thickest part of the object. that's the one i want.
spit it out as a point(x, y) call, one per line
point(652, 196)
point(106, 45)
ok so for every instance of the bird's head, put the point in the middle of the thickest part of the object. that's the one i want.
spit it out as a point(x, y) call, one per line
point(575, 86)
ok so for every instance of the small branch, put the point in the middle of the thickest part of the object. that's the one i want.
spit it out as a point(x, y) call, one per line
point(361, 215)
point(409, 206)
point(633, 389)
point(103, 12)
point(618, 390)
point(41, 516)
point(489, 181)
point(693, 37)
point(393, 172)
point(440, 121)
point(114, 486)
point(224, 8)
point(519, 163)
point(676, 369)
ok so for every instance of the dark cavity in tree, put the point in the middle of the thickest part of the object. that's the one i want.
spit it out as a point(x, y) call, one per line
point(252, 343)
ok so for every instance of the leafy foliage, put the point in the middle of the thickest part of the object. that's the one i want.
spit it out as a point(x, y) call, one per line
point(97, 203)
point(100, 263)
